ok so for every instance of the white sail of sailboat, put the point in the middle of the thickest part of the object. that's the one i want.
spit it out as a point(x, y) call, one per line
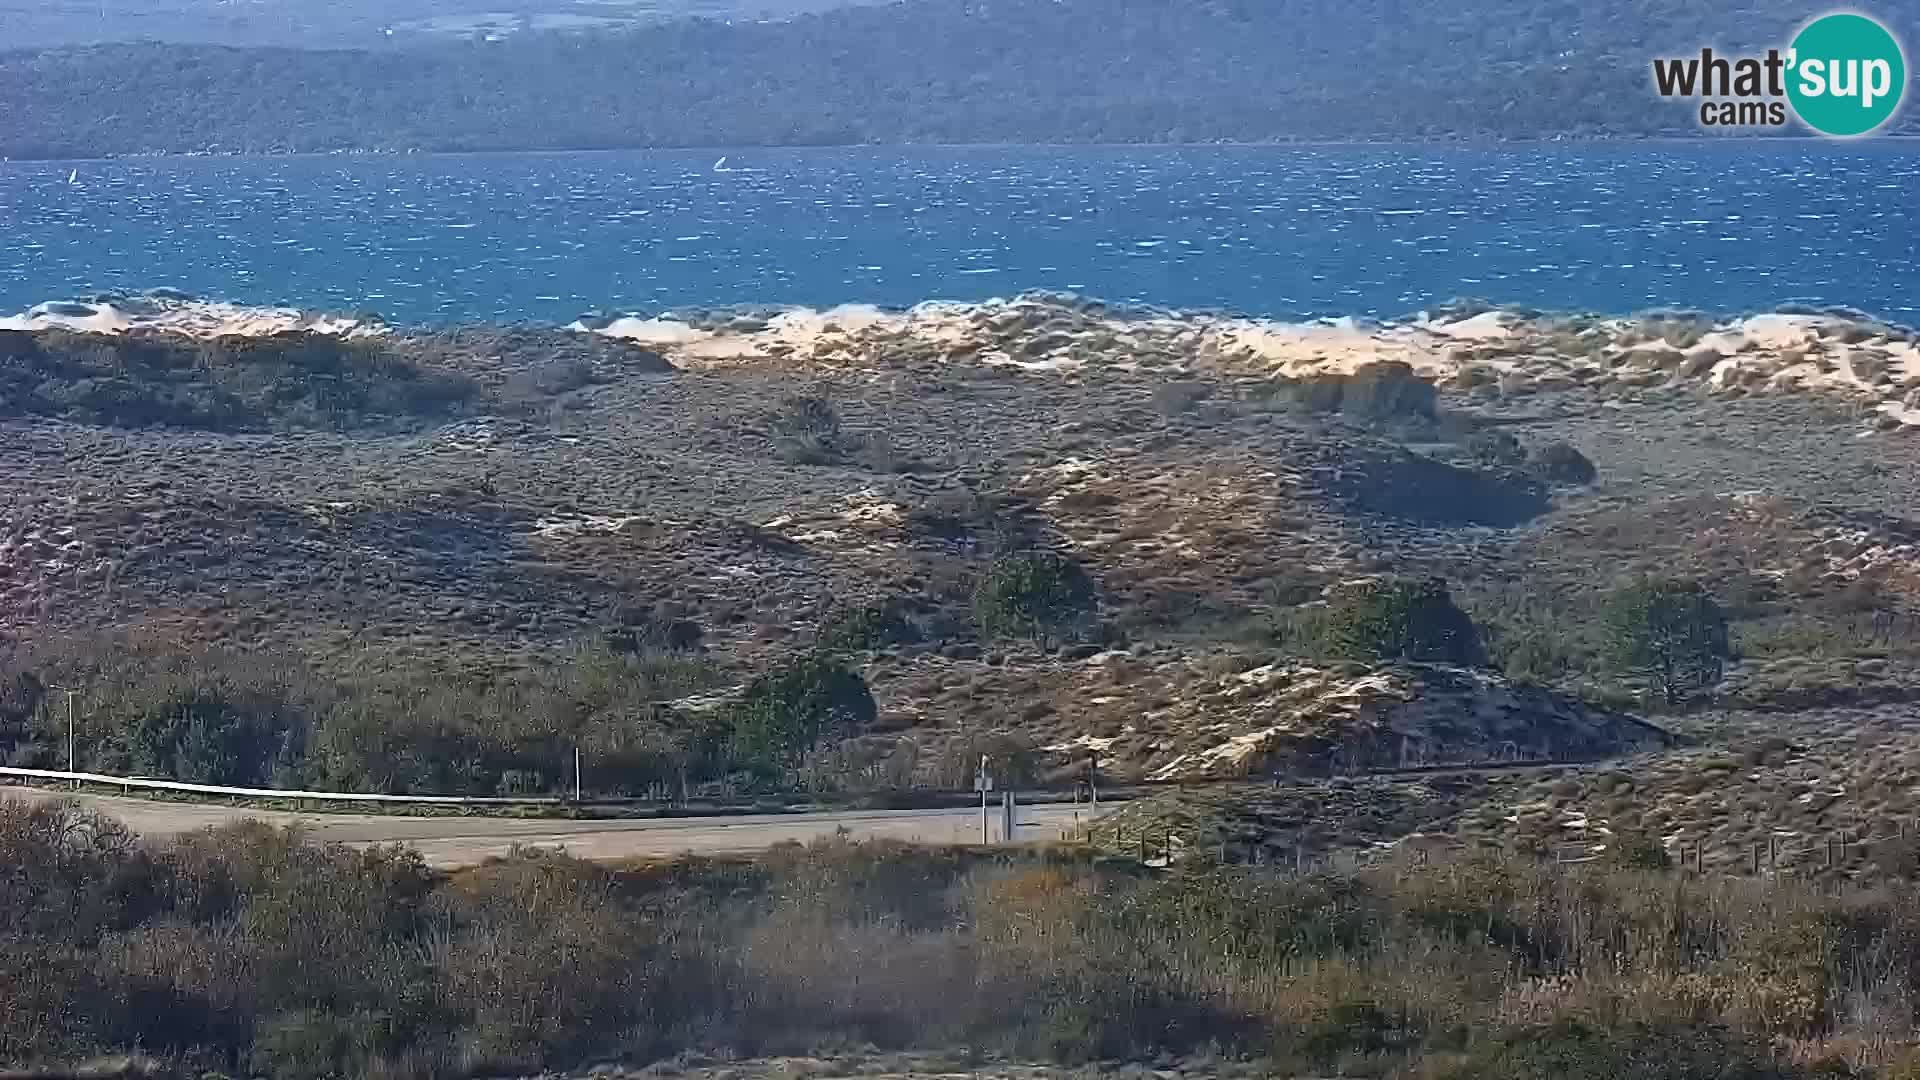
point(721, 165)
point(73, 177)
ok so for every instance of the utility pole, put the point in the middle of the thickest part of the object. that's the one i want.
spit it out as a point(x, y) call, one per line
point(72, 755)
point(983, 783)
point(576, 773)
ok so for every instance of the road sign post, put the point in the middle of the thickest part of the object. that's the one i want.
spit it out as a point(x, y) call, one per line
point(983, 783)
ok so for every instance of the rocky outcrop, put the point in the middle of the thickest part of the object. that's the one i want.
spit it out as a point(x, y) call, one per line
point(1382, 390)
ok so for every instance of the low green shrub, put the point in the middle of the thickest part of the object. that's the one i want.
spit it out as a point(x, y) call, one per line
point(784, 713)
point(1042, 596)
point(1572, 1049)
point(1399, 619)
point(866, 628)
point(1559, 463)
point(1671, 632)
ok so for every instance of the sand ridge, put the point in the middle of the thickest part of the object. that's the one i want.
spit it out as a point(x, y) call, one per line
point(1869, 366)
point(174, 313)
point(1873, 367)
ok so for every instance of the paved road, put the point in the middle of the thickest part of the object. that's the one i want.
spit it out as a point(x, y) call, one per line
point(463, 841)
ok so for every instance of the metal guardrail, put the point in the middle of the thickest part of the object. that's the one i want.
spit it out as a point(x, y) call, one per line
point(1118, 792)
point(132, 782)
point(142, 783)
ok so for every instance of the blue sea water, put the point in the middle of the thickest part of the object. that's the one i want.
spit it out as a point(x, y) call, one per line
point(1282, 232)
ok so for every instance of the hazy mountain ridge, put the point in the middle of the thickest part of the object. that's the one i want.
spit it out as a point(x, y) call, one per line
point(1076, 71)
point(346, 23)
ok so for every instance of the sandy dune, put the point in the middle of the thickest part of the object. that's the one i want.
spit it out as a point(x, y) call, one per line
point(1874, 367)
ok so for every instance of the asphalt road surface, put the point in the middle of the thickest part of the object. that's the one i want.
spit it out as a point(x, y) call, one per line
point(450, 842)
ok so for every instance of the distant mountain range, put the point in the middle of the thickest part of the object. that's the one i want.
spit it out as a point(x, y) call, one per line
point(346, 23)
point(920, 71)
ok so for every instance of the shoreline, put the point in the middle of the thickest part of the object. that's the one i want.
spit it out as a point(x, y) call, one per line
point(1900, 142)
point(167, 303)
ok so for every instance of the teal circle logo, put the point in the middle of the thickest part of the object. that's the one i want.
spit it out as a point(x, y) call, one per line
point(1847, 75)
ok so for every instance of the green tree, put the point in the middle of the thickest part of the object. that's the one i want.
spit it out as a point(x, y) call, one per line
point(1040, 595)
point(1672, 632)
point(21, 696)
point(873, 626)
point(784, 713)
point(203, 737)
point(1399, 619)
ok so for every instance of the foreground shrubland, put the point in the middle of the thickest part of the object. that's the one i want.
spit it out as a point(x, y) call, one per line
point(252, 952)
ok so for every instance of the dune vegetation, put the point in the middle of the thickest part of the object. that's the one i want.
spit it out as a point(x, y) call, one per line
point(1544, 685)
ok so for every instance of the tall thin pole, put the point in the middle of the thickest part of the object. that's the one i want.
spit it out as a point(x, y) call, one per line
point(981, 781)
point(576, 773)
point(73, 756)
